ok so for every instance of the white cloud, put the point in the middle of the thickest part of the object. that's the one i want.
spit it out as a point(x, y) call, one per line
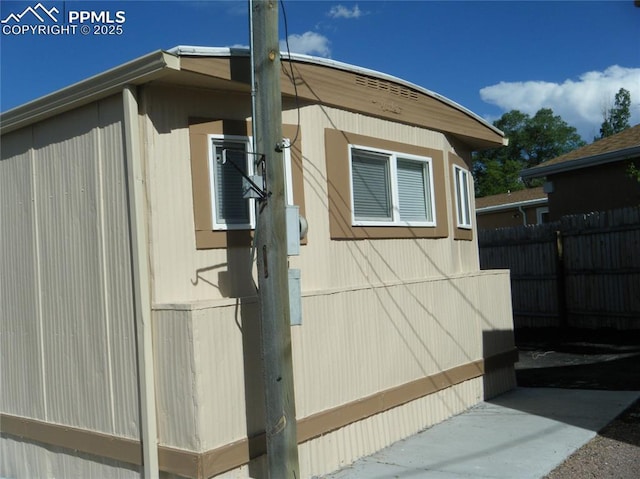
point(340, 11)
point(580, 103)
point(309, 43)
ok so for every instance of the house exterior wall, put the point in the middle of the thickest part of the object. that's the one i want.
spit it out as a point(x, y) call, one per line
point(67, 345)
point(409, 309)
point(397, 333)
point(209, 354)
point(597, 188)
point(507, 218)
point(184, 274)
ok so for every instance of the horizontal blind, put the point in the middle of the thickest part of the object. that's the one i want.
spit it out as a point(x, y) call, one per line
point(371, 188)
point(231, 207)
point(415, 200)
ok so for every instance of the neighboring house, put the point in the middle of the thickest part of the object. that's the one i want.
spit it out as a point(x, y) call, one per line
point(592, 178)
point(129, 315)
point(517, 208)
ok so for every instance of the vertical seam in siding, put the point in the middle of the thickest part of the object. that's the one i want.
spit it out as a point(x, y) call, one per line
point(38, 285)
point(103, 262)
point(143, 138)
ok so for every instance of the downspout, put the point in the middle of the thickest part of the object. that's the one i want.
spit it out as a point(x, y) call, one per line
point(524, 215)
point(141, 284)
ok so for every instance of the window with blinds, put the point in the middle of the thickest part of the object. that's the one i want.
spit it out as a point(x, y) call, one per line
point(371, 186)
point(229, 209)
point(413, 191)
point(391, 189)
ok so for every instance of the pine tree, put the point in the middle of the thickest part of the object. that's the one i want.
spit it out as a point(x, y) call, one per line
point(616, 119)
point(532, 140)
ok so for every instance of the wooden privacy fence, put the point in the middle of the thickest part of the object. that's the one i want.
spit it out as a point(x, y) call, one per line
point(581, 272)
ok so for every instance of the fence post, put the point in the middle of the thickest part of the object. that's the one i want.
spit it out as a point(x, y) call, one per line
point(560, 282)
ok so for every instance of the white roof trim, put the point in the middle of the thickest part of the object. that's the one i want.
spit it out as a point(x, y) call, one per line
point(515, 204)
point(187, 50)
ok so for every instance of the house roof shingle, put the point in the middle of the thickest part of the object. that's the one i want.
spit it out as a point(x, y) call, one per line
point(513, 197)
point(612, 148)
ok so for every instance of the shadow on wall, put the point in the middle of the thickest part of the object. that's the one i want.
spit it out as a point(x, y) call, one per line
point(248, 320)
point(368, 256)
point(499, 354)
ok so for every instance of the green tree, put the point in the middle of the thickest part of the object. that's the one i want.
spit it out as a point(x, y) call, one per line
point(532, 140)
point(616, 118)
point(633, 171)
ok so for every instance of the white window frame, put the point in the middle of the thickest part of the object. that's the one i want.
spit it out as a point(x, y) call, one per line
point(540, 212)
point(462, 193)
point(251, 160)
point(393, 158)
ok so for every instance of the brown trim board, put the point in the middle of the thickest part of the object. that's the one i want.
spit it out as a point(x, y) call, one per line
point(358, 92)
point(230, 456)
point(199, 129)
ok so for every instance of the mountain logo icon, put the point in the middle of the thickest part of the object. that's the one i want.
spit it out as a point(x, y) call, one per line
point(39, 12)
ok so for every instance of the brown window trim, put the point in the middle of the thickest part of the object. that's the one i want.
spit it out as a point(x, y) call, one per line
point(337, 152)
point(464, 234)
point(199, 129)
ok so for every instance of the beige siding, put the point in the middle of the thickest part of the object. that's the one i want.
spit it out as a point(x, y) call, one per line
point(352, 344)
point(69, 254)
point(23, 389)
point(180, 272)
point(330, 264)
point(116, 270)
point(344, 446)
point(176, 386)
point(25, 460)
point(377, 314)
point(183, 274)
point(400, 332)
point(201, 376)
point(69, 351)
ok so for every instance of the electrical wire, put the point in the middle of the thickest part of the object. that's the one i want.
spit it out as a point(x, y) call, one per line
point(295, 86)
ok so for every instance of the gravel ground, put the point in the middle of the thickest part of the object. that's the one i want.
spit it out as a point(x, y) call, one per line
point(590, 360)
point(614, 453)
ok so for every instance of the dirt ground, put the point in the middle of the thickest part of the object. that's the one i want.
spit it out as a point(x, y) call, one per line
point(589, 360)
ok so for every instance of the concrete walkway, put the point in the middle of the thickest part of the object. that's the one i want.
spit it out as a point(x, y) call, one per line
point(522, 434)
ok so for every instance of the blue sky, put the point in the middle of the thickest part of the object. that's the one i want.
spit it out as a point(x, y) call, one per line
point(490, 57)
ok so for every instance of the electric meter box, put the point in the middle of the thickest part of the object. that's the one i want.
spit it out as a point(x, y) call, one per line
point(293, 230)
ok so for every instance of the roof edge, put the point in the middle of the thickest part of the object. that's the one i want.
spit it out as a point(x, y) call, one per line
point(603, 158)
point(98, 86)
point(188, 50)
point(515, 204)
point(153, 65)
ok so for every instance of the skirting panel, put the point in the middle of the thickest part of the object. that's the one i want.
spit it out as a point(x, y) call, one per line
point(374, 421)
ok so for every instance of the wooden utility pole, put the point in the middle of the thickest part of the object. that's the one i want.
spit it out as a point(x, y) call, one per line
point(273, 283)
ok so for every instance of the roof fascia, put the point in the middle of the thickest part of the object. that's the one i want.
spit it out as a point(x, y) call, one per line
point(137, 71)
point(609, 157)
point(516, 204)
point(184, 50)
